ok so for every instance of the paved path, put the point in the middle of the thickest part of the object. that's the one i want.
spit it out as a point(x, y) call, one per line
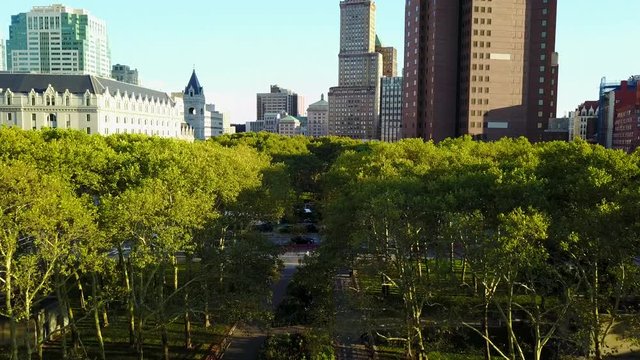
point(247, 340)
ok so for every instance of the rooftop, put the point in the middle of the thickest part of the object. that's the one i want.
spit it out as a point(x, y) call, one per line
point(75, 84)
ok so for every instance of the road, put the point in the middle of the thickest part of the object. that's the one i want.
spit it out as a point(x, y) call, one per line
point(246, 341)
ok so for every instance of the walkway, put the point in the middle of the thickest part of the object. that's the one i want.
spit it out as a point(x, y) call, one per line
point(247, 340)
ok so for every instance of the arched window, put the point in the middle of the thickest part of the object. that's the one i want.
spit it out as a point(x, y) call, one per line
point(48, 100)
point(9, 98)
point(52, 121)
point(88, 100)
point(33, 100)
point(67, 101)
point(192, 111)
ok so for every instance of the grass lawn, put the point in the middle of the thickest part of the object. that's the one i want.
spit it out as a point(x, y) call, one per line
point(116, 338)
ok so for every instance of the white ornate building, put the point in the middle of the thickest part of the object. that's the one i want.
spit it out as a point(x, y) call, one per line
point(89, 103)
point(202, 117)
point(583, 121)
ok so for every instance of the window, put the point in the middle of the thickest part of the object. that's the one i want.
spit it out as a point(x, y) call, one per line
point(33, 101)
point(88, 130)
point(88, 101)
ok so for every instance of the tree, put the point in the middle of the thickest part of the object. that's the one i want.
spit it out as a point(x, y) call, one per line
point(41, 220)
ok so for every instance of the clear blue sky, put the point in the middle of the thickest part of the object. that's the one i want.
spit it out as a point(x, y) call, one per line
point(239, 48)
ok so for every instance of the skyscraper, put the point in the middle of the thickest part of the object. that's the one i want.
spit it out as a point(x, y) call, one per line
point(354, 104)
point(276, 101)
point(389, 59)
point(488, 69)
point(391, 109)
point(58, 40)
point(3, 55)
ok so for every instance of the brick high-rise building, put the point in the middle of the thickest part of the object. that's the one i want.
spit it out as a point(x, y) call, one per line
point(354, 104)
point(389, 59)
point(488, 69)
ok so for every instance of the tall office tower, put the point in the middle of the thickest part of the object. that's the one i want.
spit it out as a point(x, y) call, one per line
point(355, 103)
point(58, 40)
point(488, 69)
point(3, 55)
point(276, 101)
point(391, 109)
point(125, 74)
point(389, 59)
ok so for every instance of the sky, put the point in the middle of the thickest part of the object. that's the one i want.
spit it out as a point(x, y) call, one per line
point(240, 48)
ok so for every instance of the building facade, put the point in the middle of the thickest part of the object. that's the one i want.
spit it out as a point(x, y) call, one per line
point(487, 69)
point(289, 126)
point(583, 121)
point(354, 104)
point(622, 109)
point(205, 120)
point(88, 103)
point(125, 74)
point(276, 101)
point(58, 40)
point(613, 96)
point(389, 59)
point(318, 118)
point(391, 109)
point(3, 55)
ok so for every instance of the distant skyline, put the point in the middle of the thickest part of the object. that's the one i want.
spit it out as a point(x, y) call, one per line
point(241, 48)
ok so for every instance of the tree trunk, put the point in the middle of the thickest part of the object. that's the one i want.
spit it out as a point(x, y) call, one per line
point(139, 337)
point(485, 327)
point(96, 315)
point(40, 318)
point(27, 341)
point(187, 320)
point(510, 335)
point(103, 308)
point(174, 264)
point(596, 314)
point(75, 337)
point(62, 308)
point(452, 258)
point(207, 318)
point(139, 322)
point(129, 282)
point(464, 270)
point(161, 313)
point(8, 287)
point(105, 317)
point(83, 303)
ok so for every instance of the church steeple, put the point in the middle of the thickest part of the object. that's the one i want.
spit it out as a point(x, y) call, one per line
point(194, 85)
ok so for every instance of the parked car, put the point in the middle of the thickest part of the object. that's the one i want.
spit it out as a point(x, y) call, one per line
point(302, 240)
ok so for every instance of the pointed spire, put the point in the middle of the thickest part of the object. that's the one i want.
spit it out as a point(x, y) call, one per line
point(322, 97)
point(194, 84)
